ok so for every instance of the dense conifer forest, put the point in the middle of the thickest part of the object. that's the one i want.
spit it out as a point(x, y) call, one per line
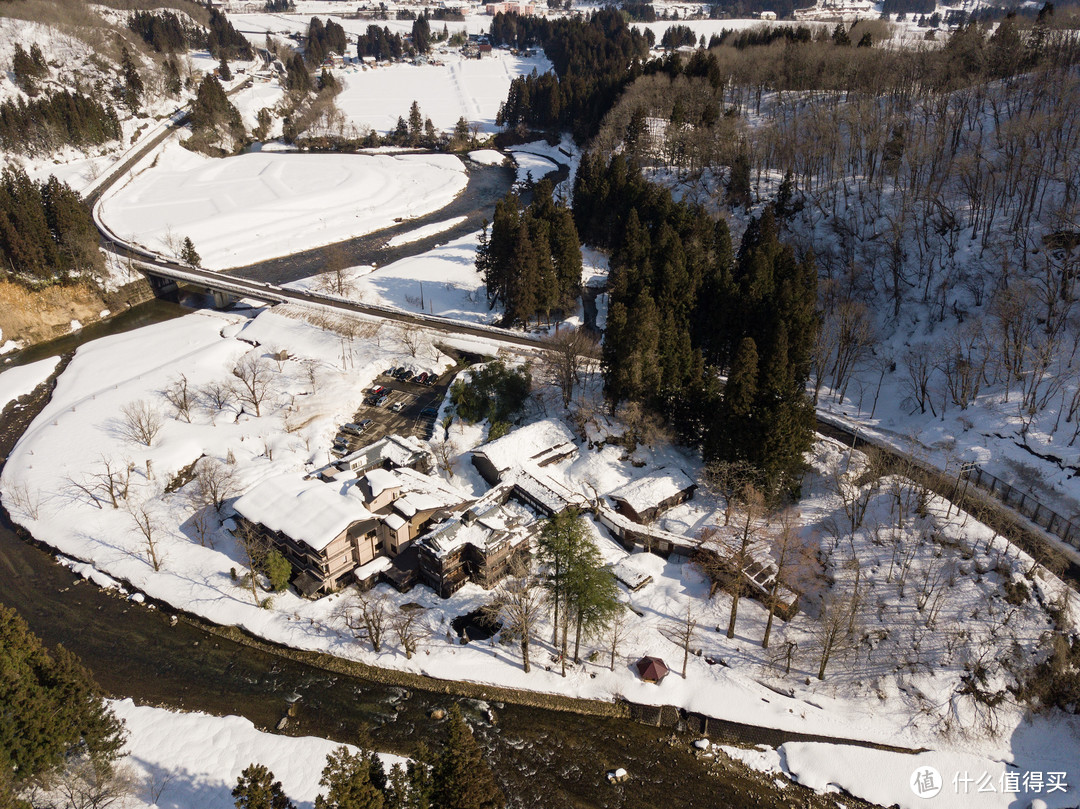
point(46, 232)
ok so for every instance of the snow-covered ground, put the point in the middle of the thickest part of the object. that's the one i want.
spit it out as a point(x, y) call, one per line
point(449, 88)
point(192, 760)
point(22, 379)
point(243, 209)
point(444, 278)
point(898, 687)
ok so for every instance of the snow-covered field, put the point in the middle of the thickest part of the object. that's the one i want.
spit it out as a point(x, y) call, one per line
point(450, 88)
point(243, 209)
point(192, 760)
point(899, 687)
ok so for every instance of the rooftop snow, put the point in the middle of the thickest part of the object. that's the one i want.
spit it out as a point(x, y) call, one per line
point(307, 510)
point(652, 489)
point(541, 442)
point(379, 480)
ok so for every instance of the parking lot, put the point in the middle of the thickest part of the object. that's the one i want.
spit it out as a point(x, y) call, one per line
point(408, 408)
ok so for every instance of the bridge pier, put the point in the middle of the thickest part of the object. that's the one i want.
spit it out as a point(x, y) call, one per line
point(222, 300)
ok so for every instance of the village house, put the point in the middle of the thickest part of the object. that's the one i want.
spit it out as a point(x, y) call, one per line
point(541, 443)
point(481, 544)
point(645, 499)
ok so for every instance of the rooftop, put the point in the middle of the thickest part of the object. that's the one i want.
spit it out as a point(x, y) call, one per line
point(306, 509)
point(652, 489)
point(540, 443)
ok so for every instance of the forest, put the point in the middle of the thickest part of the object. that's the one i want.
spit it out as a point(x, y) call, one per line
point(45, 123)
point(593, 61)
point(918, 186)
point(531, 264)
point(46, 232)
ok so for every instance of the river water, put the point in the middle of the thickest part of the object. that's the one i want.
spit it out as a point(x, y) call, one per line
point(542, 758)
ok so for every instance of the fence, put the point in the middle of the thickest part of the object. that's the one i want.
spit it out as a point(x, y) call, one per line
point(1027, 505)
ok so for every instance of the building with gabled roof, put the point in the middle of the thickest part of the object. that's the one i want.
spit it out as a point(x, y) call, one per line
point(645, 499)
point(540, 443)
point(327, 524)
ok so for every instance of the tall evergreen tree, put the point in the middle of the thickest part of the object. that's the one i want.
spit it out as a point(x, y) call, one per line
point(257, 789)
point(53, 712)
point(462, 779)
point(348, 782)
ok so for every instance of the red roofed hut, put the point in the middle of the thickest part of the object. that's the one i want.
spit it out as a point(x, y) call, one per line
point(652, 669)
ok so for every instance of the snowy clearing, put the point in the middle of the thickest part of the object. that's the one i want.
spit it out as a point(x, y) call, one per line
point(243, 209)
point(451, 88)
point(203, 755)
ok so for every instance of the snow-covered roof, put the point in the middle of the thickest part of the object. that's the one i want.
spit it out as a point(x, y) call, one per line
point(307, 510)
point(379, 480)
point(489, 525)
point(652, 489)
point(394, 521)
point(398, 450)
point(540, 442)
point(545, 490)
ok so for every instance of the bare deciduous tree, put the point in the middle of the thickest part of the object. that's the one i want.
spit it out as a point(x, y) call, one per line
point(140, 422)
point(180, 396)
point(443, 452)
point(146, 520)
point(335, 279)
point(254, 377)
point(217, 396)
point(406, 626)
point(520, 601)
point(833, 629)
point(789, 554)
point(617, 630)
point(215, 482)
point(367, 616)
point(683, 632)
point(253, 549)
point(725, 555)
point(567, 359)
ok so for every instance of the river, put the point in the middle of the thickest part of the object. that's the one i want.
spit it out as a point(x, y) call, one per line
point(541, 757)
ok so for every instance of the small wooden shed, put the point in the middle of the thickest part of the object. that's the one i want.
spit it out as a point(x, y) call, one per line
point(652, 669)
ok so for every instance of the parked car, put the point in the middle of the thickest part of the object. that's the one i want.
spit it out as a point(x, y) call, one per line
point(406, 375)
point(366, 423)
point(429, 411)
point(378, 390)
point(397, 407)
point(432, 379)
point(352, 429)
point(422, 378)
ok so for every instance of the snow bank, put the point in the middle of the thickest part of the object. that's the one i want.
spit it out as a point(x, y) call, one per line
point(243, 209)
point(203, 755)
point(23, 379)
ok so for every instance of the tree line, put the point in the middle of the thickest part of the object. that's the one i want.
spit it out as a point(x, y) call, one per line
point(166, 32)
point(592, 60)
point(63, 118)
point(322, 40)
point(380, 44)
point(457, 777)
point(684, 309)
point(56, 732)
point(46, 231)
point(531, 264)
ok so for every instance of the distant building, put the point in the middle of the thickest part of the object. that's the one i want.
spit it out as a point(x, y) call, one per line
point(768, 15)
point(645, 499)
point(524, 9)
